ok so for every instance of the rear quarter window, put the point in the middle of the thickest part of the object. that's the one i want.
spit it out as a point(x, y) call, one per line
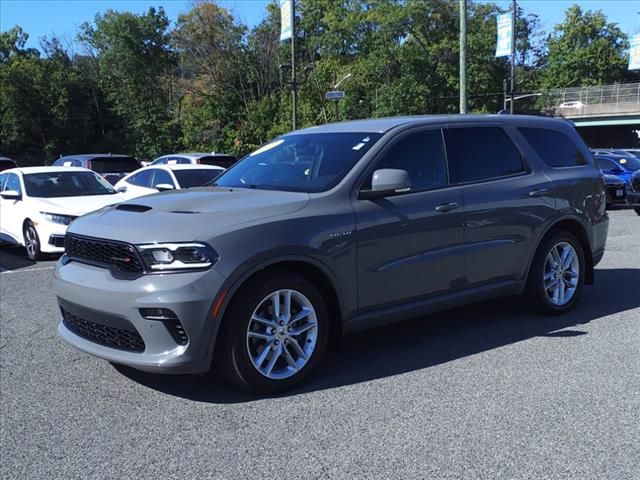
point(553, 147)
point(114, 164)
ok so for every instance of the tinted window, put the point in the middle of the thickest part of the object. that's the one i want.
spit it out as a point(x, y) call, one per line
point(162, 176)
point(223, 161)
point(302, 162)
point(629, 163)
point(114, 164)
point(6, 164)
point(13, 183)
point(196, 178)
point(3, 177)
point(555, 148)
point(66, 184)
point(481, 153)
point(160, 161)
point(141, 179)
point(422, 156)
point(606, 164)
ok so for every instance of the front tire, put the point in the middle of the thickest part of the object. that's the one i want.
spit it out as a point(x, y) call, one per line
point(32, 242)
point(556, 277)
point(274, 333)
point(637, 209)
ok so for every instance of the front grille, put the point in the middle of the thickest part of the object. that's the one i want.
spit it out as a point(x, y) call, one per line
point(635, 184)
point(56, 240)
point(105, 253)
point(104, 335)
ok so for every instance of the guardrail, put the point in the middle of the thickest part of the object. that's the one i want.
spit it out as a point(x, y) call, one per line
point(598, 95)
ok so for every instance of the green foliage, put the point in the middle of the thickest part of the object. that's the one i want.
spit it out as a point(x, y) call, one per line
point(584, 50)
point(210, 83)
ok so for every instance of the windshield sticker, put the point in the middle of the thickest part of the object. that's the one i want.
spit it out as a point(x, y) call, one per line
point(623, 161)
point(358, 146)
point(67, 164)
point(267, 147)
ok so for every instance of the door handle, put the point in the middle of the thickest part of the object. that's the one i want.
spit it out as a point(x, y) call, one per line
point(539, 193)
point(446, 207)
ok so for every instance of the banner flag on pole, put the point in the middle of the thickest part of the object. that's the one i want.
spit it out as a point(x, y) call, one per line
point(286, 11)
point(505, 27)
point(634, 53)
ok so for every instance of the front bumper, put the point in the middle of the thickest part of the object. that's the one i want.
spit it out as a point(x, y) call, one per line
point(51, 236)
point(89, 291)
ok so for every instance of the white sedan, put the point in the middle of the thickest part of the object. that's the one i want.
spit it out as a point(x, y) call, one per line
point(38, 203)
point(158, 178)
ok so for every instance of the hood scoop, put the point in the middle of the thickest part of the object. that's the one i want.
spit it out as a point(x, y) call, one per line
point(132, 207)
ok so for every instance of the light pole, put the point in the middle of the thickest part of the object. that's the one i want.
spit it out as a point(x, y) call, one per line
point(463, 56)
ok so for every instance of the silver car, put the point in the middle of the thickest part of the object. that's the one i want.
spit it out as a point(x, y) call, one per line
point(330, 230)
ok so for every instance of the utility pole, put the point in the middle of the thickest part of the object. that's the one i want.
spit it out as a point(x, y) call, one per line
point(294, 86)
point(513, 54)
point(463, 56)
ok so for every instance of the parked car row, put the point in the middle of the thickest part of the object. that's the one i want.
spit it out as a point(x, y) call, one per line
point(619, 167)
point(38, 203)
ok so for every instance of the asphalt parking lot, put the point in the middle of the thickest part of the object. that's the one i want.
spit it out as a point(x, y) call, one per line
point(487, 391)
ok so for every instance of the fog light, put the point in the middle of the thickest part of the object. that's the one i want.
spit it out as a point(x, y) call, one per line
point(158, 314)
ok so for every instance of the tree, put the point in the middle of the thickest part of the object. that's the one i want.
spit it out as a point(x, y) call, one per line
point(135, 66)
point(584, 50)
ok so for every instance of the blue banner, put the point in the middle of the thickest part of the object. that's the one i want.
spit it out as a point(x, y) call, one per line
point(505, 29)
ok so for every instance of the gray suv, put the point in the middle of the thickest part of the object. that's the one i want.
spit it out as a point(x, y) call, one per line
point(330, 230)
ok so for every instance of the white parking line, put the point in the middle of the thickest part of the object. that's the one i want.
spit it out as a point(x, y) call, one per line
point(26, 270)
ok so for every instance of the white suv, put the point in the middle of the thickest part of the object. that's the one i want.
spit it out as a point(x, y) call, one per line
point(38, 203)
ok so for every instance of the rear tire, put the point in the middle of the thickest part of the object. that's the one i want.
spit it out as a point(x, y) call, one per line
point(32, 242)
point(269, 349)
point(556, 277)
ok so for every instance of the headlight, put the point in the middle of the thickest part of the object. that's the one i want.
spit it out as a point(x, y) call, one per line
point(178, 256)
point(57, 218)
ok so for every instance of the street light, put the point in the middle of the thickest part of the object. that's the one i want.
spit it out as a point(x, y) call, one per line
point(346, 77)
point(336, 94)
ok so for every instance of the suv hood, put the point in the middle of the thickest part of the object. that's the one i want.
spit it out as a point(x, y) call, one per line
point(76, 206)
point(186, 215)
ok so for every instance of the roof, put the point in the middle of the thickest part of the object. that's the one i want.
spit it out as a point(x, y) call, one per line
point(185, 166)
point(382, 125)
point(195, 155)
point(28, 170)
point(89, 156)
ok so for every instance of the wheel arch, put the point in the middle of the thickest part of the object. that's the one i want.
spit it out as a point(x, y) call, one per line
point(316, 272)
point(577, 228)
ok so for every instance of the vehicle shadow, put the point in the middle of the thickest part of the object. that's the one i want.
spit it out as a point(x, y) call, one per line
point(13, 258)
point(425, 342)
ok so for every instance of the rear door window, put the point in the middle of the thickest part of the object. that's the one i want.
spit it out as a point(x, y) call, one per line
point(141, 179)
point(162, 176)
point(481, 153)
point(553, 147)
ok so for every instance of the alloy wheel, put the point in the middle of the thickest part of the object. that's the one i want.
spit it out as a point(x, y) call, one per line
point(282, 334)
point(31, 241)
point(561, 273)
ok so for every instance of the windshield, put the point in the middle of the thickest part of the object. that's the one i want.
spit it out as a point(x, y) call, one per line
point(312, 162)
point(65, 184)
point(629, 163)
point(114, 164)
point(196, 178)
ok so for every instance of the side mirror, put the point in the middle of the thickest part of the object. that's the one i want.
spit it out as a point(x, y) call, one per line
point(11, 195)
point(163, 187)
point(387, 182)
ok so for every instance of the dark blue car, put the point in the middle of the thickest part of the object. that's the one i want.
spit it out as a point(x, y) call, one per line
point(621, 167)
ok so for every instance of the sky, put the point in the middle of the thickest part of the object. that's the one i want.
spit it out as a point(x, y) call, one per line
point(62, 18)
